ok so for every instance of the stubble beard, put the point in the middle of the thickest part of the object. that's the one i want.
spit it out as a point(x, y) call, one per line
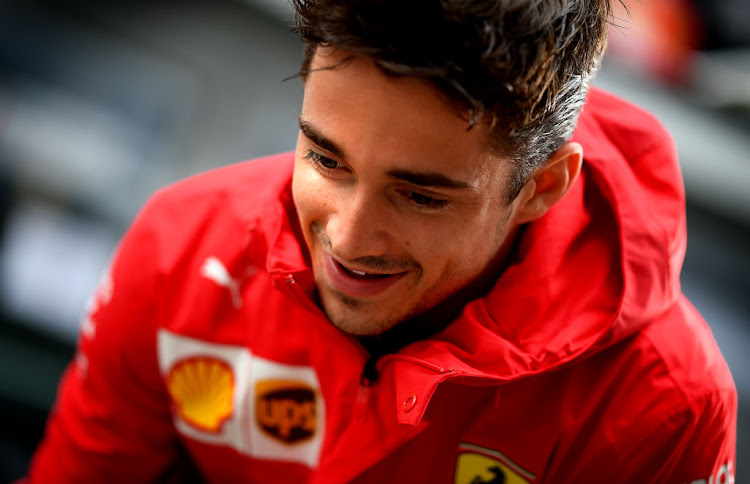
point(352, 317)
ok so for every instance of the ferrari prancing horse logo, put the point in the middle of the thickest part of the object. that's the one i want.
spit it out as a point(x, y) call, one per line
point(477, 465)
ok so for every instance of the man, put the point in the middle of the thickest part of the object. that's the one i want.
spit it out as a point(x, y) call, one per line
point(444, 283)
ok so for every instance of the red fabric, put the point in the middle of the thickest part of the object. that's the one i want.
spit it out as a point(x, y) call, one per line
point(585, 363)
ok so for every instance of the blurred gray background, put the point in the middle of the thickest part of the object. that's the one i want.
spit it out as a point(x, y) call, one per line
point(101, 104)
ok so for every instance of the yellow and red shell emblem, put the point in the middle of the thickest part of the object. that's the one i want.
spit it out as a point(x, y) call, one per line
point(202, 389)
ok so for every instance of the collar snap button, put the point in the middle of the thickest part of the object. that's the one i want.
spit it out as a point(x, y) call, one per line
point(409, 402)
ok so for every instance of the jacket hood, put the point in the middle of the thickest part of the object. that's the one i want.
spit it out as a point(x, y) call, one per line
point(595, 269)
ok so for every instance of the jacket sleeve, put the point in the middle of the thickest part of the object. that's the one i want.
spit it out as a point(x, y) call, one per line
point(111, 421)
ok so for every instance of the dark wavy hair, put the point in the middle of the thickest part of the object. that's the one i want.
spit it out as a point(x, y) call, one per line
point(522, 66)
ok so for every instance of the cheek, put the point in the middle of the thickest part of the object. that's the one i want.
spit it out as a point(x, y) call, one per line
point(298, 191)
point(437, 255)
point(308, 194)
point(466, 247)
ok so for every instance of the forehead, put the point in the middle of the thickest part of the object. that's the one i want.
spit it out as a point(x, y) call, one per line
point(403, 119)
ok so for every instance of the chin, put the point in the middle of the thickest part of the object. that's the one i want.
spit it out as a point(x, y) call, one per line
point(358, 326)
point(356, 321)
point(353, 316)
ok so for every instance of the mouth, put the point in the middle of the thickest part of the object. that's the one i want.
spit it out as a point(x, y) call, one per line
point(358, 283)
point(361, 274)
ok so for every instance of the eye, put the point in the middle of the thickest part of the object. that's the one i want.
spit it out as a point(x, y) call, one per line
point(425, 202)
point(322, 163)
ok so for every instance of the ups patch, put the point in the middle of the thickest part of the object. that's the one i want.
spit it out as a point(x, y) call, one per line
point(285, 410)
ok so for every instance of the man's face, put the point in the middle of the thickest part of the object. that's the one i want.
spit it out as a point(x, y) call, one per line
point(400, 205)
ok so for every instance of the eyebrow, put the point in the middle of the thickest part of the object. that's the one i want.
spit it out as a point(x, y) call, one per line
point(434, 180)
point(422, 179)
point(318, 138)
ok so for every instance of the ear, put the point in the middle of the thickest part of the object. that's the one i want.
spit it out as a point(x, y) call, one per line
point(549, 183)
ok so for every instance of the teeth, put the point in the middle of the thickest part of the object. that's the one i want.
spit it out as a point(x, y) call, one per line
point(359, 273)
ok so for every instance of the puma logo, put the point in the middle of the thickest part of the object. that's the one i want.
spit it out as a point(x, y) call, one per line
point(213, 269)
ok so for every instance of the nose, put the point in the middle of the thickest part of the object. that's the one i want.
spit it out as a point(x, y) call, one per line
point(357, 228)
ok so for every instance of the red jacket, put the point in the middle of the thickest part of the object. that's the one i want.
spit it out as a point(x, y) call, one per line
point(584, 363)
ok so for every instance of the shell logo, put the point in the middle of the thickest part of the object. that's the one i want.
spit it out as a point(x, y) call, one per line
point(202, 389)
point(286, 410)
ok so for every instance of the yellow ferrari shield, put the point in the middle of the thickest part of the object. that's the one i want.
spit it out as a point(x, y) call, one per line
point(477, 465)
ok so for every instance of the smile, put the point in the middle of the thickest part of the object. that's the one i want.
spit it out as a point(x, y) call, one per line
point(357, 283)
point(362, 274)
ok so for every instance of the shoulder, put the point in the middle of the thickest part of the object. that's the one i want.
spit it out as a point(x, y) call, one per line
point(689, 423)
point(665, 376)
point(671, 368)
point(659, 404)
point(681, 392)
point(214, 212)
point(249, 182)
point(685, 349)
point(236, 195)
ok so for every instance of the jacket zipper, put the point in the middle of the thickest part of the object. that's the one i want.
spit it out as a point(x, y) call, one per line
point(369, 372)
point(299, 294)
point(361, 401)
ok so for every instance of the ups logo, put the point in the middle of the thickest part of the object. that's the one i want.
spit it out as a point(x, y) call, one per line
point(285, 410)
